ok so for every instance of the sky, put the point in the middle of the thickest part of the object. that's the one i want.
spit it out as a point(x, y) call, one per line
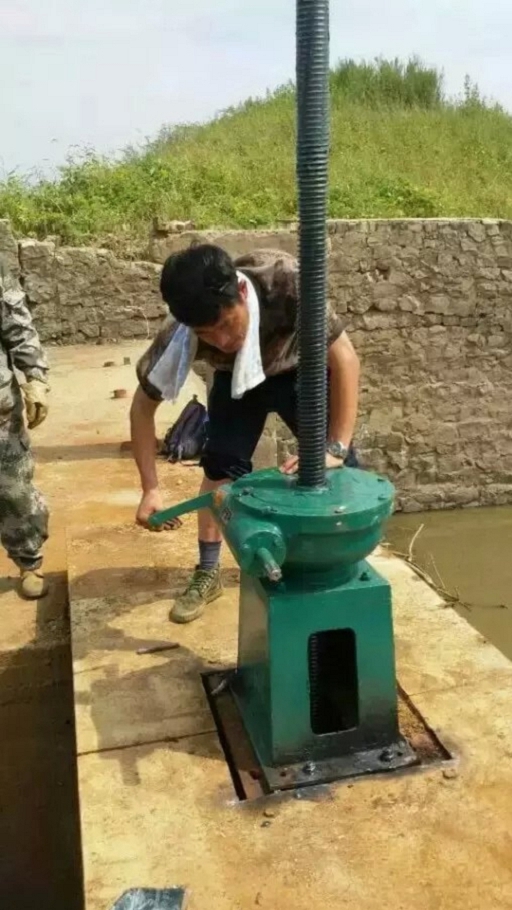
point(104, 74)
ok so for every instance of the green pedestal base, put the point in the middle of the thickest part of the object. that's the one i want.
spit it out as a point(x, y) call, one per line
point(316, 669)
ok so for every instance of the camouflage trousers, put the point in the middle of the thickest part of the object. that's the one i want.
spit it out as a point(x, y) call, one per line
point(23, 511)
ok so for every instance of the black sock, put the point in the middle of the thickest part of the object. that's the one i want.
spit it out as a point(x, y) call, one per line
point(209, 553)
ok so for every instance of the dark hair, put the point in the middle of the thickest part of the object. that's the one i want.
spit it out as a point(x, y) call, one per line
point(199, 282)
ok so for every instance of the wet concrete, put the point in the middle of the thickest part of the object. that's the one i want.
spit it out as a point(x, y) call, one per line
point(468, 552)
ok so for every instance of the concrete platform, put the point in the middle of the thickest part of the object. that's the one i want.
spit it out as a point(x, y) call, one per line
point(86, 478)
point(171, 816)
point(157, 802)
point(157, 806)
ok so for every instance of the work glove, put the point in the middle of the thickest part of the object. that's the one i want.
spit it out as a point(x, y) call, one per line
point(35, 394)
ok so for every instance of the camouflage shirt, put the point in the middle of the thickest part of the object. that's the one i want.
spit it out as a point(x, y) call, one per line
point(274, 275)
point(20, 350)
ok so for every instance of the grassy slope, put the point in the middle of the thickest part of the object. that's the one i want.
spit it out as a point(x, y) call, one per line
point(398, 150)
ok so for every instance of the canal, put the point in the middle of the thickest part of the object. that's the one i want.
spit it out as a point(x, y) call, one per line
point(468, 552)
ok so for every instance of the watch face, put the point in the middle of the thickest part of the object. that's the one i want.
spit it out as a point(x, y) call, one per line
point(337, 450)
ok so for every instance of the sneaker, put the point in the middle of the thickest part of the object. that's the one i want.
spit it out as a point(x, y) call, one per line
point(204, 586)
point(33, 584)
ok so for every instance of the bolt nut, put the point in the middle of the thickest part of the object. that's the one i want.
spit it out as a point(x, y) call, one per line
point(386, 755)
point(309, 767)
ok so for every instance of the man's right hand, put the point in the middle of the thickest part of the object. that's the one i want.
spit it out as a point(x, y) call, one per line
point(150, 503)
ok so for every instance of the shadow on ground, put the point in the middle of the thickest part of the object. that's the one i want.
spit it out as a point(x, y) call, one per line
point(40, 855)
point(168, 695)
point(100, 602)
point(88, 452)
point(116, 694)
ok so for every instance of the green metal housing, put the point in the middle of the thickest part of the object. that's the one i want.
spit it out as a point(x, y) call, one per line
point(299, 705)
point(315, 678)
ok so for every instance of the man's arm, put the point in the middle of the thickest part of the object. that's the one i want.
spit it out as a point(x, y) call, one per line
point(143, 435)
point(343, 365)
point(146, 400)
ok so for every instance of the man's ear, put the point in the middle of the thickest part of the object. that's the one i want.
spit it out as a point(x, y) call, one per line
point(242, 289)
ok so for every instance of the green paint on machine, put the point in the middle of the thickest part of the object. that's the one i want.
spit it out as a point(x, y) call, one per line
point(315, 679)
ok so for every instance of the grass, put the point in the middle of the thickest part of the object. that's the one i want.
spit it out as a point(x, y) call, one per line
point(400, 148)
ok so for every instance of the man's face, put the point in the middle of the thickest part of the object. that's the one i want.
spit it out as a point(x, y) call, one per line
point(230, 331)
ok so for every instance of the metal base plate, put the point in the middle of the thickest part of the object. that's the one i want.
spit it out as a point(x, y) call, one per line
point(374, 761)
point(252, 779)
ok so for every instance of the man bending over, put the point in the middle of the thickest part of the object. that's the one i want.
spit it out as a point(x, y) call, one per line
point(216, 297)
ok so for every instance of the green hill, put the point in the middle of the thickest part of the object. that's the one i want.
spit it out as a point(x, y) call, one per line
point(400, 148)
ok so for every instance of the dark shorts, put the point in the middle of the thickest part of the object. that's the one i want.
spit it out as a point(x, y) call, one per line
point(235, 426)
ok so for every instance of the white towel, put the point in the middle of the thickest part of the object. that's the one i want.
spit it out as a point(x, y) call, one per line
point(171, 370)
point(248, 369)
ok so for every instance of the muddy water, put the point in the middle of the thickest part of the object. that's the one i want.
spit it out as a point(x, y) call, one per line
point(470, 550)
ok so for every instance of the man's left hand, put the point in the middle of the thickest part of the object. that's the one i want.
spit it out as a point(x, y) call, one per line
point(35, 394)
point(291, 465)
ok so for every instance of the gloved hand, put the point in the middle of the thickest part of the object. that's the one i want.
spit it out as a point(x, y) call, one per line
point(35, 394)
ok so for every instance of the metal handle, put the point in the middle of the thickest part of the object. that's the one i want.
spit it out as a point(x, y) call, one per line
point(189, 505)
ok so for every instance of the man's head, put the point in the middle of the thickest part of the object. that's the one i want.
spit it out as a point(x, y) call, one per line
point(202, 290)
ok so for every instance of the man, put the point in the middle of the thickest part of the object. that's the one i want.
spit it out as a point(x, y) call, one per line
point(23, 512)
point(204, 289)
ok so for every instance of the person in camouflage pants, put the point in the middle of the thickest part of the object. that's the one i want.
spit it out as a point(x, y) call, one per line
point(23, 511)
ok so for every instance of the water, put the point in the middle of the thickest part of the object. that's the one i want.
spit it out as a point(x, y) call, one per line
point(470, 552)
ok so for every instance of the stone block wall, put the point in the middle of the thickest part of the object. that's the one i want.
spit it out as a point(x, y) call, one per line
point(88, 295)
point(428, 305)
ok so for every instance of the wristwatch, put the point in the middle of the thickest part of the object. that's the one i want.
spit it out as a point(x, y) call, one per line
point(338, 450)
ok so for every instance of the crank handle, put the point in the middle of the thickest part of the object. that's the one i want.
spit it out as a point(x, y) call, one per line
point(183, 508)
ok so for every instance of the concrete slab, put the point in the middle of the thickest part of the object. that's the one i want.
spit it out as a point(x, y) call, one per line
point(84, 417)
point(161, 701)
point(157, 803)
point(476, 723)
point(435, 647)
point(88, 477)
point(122, 580)
point(172, 817)
point(424, 842)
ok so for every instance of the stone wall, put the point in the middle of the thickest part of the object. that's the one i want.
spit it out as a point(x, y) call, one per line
point(428, 305)
point(87, 295)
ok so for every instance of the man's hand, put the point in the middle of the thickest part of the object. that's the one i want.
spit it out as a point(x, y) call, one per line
point(35, 394)
point(291, 465)
point(150, 503)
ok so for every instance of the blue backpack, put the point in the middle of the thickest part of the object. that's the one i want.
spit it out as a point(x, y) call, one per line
point(186, 439)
